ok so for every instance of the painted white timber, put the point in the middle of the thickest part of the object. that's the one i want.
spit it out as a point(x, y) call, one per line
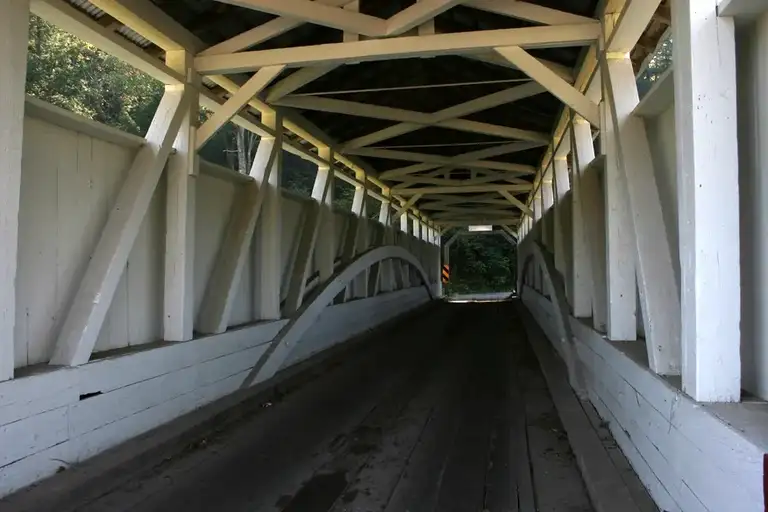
point(303, 264)
point(657, 285)
point(263, 32)
point(268, 249)
point(417, 14)
point(550, 80)
point(621, 281)
point(529, 12)
point(280, 348)
point(181, 192)
point(631, 24)
point(547, 201)
point(400, 48)
point(405, 207)
point(469, 189)
point(742, 8)
point(582, 287)
point(90, 305)
point(69, 18)
point(14, 34)
point(325, 251)
point(236, 102)
point(516, 202)
point(705, 111)
point(562, 186)
point(319, 14)
point(359, 286)
point(296, 80)
point(151, 22)
point(223, 283)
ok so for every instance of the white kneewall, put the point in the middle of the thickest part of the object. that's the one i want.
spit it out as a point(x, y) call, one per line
point(45, 425)
point(687, 457)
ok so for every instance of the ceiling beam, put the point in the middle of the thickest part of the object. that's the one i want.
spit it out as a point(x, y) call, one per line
point(152, 23)
point(235, 103)
point(417, 14)
point(441, 160)
point(529, 12)
point(559, 88)
point(516, 202)
point(297, 80)
point(399, 47)
point(319, 14)
point(469, 189)
point(263, 32)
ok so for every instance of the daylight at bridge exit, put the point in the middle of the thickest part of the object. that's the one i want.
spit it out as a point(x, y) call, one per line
point(384, 255)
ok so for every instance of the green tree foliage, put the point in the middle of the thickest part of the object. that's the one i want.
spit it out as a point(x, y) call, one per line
point(659, 62)
point(66, 72)
point(481, 264)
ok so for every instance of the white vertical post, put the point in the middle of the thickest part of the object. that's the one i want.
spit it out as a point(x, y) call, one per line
point(582, 151)
point(708, 200)
point(267, 251)
point(325, 249)
point(561, 185)
point(14, 36)
point(386, 282)
point(182, 171)
point(657, 285)
point(547, 201)
point(359, 286)
point(621, 320)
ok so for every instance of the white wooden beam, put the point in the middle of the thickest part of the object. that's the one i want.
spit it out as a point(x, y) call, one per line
point(325, 252)
point(581, 273)
point(91, 302)
point(705, 91)
point(223, 283)
point(263, 32)
point(416, 14)
point(400, 48)
point(631, 24)
point(559, 88)
point(236, 102)
point(319, 14)
point(529, 12)
point(181, 193)
point(742, 8)
point(405, 207)
point(516, 202)
point(620, 248)
point(14, 27)
point(657, 284)
point(441, 160)
point(152, 23)
point(562, 186)
point(464, 190)
point(297, 80)
point(267, 256)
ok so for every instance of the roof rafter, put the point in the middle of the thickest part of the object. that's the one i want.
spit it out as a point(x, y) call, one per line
point(400, 48)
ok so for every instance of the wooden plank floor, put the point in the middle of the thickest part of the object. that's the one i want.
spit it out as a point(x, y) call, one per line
point(448, 412)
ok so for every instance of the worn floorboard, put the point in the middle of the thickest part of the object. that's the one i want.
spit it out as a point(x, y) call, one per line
point(448, 412)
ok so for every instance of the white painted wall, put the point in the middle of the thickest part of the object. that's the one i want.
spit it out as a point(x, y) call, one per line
point(752, 69)
point(689, 458)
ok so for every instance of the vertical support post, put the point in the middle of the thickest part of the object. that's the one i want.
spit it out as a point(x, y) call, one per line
point(582, 152)
point(547, 201)
point(267, 254)
point(705, 111)
point(621, 319)
point(561, 185)
point(657, 285)
point(359, 285)
point(182, 172)
point(325, 250)
point(405, 231)
point(386, 281)
point(14, 36)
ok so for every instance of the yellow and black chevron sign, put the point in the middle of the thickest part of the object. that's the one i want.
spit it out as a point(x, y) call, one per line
point(446, 273)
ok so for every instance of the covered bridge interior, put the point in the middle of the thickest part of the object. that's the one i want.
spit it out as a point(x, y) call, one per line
point(153, 303)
